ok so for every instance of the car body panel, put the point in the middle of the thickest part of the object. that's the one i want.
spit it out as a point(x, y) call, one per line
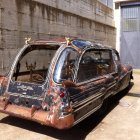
point(57, 93)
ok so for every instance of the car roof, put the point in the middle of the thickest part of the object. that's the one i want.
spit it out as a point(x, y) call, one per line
point(45, 42)
point(51, 43)
point(78, 43)
point(84, 44)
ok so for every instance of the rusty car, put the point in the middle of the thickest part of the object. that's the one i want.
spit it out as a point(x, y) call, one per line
point(60, 83)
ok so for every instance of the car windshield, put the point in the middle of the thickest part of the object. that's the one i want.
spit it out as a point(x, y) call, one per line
point(66, 65)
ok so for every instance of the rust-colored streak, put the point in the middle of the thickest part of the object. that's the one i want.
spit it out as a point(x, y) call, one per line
point(18, 111)
point(68, 83)
point(64, 123)
point(33, 109)
point(40, 116)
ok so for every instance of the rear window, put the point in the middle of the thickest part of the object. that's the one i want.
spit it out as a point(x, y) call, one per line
point(33, 64)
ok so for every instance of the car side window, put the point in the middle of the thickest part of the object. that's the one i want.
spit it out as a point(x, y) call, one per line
point(95, 63)
point(65, 66)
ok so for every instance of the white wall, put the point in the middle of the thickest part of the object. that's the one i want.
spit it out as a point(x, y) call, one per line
point(117, 17)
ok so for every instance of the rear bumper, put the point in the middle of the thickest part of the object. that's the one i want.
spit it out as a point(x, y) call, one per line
point(47, 118)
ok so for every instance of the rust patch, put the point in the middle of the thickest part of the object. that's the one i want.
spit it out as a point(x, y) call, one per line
point(68, 83)
point(46, 118)
point(3, 81)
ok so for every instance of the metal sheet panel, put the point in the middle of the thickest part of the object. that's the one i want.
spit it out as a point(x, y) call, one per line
point(130, 35)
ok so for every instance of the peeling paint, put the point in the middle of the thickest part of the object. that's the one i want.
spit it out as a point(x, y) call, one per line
point(65, 102)
point(25, 88)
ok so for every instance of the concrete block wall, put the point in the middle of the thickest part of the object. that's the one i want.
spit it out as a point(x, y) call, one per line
point(45, 19)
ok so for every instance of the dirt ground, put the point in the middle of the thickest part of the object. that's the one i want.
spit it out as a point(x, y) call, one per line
point(120, 122)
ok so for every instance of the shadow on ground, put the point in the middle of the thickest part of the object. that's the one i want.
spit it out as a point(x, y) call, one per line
point(79, 132)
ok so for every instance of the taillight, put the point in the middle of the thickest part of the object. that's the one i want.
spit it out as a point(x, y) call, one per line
point(62, 93)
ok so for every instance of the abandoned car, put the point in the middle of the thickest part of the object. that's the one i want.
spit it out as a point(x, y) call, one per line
point(60, 83)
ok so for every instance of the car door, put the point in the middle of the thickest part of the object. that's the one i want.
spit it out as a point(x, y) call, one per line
point(93, 80)
point(122, 73)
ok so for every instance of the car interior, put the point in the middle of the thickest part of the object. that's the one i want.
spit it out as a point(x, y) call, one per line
point(95, 63)
point(33, 65)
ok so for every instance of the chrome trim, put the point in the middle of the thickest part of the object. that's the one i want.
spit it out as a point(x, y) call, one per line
point(88, 99)
point(86, 115)
point(63, 116)
point(87, 103)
